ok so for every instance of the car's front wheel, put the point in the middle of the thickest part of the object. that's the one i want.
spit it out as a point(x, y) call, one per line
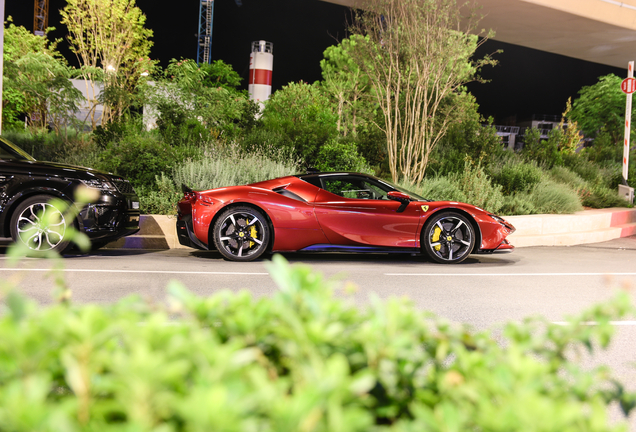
point(39, 225)
point(241, 234)
point(448, 237)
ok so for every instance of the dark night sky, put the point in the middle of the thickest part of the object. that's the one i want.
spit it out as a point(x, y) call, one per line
point(525, 82)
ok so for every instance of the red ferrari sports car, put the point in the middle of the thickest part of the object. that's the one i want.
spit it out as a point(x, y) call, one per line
point(350, 212)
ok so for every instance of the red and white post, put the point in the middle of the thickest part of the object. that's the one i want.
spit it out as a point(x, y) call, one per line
point(628, 86)
point(628, 120)
point(261, 66)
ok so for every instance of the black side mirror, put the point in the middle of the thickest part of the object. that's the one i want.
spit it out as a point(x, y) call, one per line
point(400, 197)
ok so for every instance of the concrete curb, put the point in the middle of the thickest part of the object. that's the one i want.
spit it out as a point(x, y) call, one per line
point(588, 226)
point(156, 232)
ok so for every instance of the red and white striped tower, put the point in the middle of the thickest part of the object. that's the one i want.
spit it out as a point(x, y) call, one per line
point(261, 66)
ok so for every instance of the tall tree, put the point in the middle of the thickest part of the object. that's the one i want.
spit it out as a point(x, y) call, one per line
point(36, 81)
point(112, 46)
point(418, 56)
point(347, 85)
point(601, 106)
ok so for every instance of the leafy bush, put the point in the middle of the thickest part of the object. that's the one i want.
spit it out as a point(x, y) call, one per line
point(138, 158)
point(231, 166)
point(551, 197)
point(177, 127)
point(518, 204)
point(468, 138)
point(478, 188)
point(302, 115)
point(567, 176)
point(591, 172)
point(543, 152)
point(301, 360)
point(606, 173)
point(70, 147)
point(596, 195)
point(603, 197)
point(472, 185)
point(547, 197)
point(604, 148)
point(517, 177)
point(340, 155)
point(222, 166)
point(438, 188)
point(51, 146)
point(103, 135)
point(161, 199)
point(261, 137)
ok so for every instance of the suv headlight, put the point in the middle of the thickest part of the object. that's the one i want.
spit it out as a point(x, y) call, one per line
point(99, 184)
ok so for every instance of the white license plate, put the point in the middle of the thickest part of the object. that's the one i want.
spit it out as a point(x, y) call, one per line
point(135, 205)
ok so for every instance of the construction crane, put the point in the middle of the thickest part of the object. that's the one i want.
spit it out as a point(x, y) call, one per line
point(204, 37)
point(204, 48)
point(40, 17)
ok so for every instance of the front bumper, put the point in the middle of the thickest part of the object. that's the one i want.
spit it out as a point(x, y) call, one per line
point(111, 217)
point(504, 247)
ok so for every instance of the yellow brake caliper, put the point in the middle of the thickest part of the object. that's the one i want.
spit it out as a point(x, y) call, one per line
point(253, 232)
point(436, 235)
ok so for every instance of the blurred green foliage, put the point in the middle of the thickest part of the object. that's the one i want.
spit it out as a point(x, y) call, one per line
point(302, 359)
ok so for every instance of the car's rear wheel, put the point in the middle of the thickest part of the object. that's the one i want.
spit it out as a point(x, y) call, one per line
point(241, 234)
point(39, 225)
point(448, 237)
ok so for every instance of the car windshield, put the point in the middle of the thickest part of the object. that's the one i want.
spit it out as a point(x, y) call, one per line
point(354, 185)
point(10, 151)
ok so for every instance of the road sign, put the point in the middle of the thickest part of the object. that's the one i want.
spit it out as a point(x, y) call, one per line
point(628, 85)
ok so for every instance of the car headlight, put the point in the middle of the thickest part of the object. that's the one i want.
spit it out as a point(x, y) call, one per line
point(98, 184)
point(504, 223)
point(498, 219)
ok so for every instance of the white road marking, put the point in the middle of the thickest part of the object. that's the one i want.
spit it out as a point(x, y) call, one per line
point(591, 323)
point(507, 274)
point(135, 271)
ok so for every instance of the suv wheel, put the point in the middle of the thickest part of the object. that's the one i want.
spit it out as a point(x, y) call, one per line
point(29, 225)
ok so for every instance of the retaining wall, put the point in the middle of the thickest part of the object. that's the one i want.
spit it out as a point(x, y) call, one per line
point(588, 226)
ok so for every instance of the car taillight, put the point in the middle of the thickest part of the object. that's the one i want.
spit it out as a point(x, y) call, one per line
point(204, 198)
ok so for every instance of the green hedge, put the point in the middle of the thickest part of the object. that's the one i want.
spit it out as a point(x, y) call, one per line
point(300, 360)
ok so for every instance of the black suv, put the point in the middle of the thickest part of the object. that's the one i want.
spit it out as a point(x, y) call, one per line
point(27, 186)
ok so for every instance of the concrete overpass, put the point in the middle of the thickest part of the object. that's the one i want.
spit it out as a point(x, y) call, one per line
point(600, 31)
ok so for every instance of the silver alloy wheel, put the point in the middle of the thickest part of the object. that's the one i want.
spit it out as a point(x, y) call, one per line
point(35, 233)
point(241, 234)
point(449, 238)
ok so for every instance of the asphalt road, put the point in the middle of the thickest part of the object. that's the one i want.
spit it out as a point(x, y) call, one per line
point(484, 291)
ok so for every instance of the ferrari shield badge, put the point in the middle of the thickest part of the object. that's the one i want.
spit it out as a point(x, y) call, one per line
point(424, 208)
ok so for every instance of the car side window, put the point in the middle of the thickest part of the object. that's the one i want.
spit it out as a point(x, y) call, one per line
point(7, 155)
point(353, 188)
